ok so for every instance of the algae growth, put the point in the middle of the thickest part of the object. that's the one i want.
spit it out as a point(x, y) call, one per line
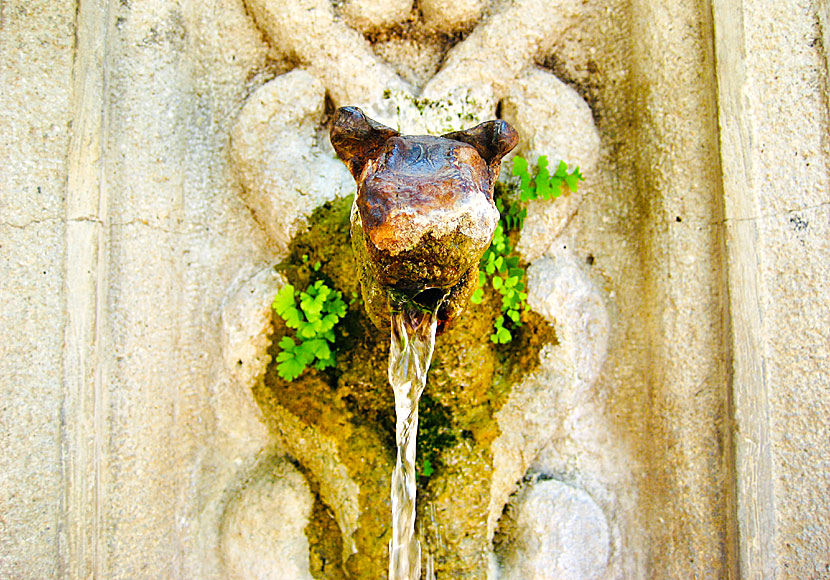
point(339, 423)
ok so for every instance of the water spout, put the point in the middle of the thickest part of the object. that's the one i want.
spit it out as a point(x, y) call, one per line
point(424, 211)
point(421, 220)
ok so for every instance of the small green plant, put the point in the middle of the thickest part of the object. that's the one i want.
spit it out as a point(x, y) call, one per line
point(499, 264)
point(544, 185)
point(501, 267)
point(512, 215)
point(320, 309)
point(428, 469)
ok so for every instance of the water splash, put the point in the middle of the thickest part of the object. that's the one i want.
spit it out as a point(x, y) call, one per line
point(410, 352)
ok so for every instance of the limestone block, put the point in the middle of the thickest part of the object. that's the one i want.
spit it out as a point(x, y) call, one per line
point(286, 169)
point(686, 442)
point(37, 44)
point(774, 128)
point(262, 529)
point(30, 433)
point(559, 533)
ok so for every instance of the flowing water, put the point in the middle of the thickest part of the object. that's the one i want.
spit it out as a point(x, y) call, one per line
point(410, 352)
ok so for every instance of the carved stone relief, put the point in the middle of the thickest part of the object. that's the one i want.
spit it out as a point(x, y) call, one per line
point(287, 168)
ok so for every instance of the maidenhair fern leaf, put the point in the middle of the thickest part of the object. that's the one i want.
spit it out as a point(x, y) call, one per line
point(498, 264)
point(321, 308)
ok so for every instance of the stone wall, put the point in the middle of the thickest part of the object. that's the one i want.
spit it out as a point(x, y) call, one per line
point(689, 281)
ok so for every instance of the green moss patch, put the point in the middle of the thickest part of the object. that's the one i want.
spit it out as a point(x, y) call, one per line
point(352, 404)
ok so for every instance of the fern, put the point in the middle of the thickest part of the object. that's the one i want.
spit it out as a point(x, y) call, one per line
point(544, 185)
point(320, 309)
point(499, 264)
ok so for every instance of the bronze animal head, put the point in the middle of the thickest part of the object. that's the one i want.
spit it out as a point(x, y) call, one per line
point(424, 212)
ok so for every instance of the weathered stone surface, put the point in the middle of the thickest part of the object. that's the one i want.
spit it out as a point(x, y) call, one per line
point(310, 32)
point(558, 533)
point(551, 113)
point(451, 15)
point(560, 290)
point(501, 47)
point(30, 434)
point(538, 408)
point(284, 167)
point(246, 336)
point(777, 211)
point(125, 194)
point(36, 67)
point(253, 548)
point(685, 445)
point(371, 16)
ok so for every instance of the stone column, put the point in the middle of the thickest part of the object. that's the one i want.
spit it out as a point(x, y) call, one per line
point(36, 61)
point(772, 98)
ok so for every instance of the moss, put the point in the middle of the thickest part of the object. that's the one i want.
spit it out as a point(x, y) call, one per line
point(325, 546)
point(435, 434)
point(353, 406)
point(326, 241)
point(428, 107)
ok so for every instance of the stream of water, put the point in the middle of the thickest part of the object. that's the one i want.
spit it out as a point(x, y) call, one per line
point(410, 352)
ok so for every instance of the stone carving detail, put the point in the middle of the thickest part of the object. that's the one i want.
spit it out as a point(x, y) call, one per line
point(561, 534)
point(275, 492)
point(287, 168)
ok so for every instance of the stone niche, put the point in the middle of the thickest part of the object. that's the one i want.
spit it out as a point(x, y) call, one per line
point(556, 460)
point(172, 155)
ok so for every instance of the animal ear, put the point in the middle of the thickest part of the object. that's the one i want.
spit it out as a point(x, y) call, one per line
point(492, 139)
point(356, 138)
